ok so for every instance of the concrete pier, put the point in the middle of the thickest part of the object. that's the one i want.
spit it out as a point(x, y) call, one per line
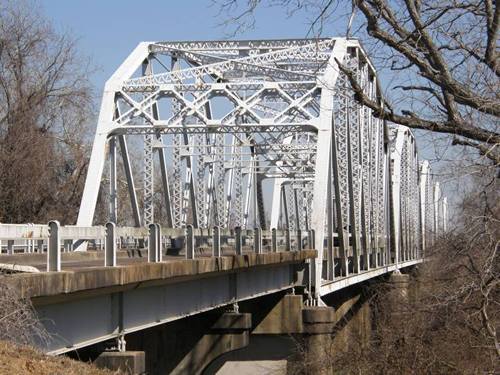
point(128, 362)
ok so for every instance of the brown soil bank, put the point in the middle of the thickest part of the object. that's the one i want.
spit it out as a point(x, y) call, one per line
point(23, 360)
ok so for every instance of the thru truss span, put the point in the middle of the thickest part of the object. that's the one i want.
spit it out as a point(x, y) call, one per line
point(267, 134)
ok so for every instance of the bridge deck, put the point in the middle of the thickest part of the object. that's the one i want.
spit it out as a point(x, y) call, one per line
point(81, 260)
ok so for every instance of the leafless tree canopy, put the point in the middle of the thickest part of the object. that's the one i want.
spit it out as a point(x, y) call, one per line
point(445, 53)
point(45, 100)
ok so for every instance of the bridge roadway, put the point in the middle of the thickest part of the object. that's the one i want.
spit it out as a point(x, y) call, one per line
point(80, 260)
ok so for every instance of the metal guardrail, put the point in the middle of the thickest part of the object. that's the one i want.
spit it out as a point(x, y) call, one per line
point(191, 242)
point(54, 238)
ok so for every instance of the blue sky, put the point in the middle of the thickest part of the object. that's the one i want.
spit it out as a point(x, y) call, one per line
point(108, 30)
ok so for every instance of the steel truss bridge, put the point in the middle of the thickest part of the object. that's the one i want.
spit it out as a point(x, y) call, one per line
point(219, 120)
point(271, 176)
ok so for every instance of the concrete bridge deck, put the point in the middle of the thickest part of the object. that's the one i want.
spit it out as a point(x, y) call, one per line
point(23, 262)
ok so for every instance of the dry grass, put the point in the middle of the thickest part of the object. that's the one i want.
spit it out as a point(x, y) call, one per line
point(24, 360)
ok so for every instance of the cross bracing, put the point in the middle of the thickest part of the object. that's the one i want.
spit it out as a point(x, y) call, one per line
point(266, 134)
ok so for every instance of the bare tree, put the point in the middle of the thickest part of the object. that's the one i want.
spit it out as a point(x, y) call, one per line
point(446, 321)
point(18, 320)
point(45, 100)
point(444, 53)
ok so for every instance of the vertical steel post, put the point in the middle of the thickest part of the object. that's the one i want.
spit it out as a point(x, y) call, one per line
point(110, 245)
point(113, 192)
point(288, 242)
point(189, 242)
point(130, 180)
point(340, 205)
point(159, 244)
point(257, 240)
point(329, 212)
point(153, 243)
point(299, 239)
point(216, 249)
point(313, 239)
point(310, 239)
point(54, 247)
point(238, 241)
point(274, 240)
point(323, 146)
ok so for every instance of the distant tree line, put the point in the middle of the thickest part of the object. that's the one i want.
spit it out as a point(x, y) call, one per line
point(45, 109)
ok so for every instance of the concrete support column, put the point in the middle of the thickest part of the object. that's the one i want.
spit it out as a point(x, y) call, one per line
point(398, 299)
point(230, 332)
point(399, 293)
point(318, 325)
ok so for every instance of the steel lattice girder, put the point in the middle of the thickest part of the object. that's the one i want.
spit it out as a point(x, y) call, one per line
point(228, 115)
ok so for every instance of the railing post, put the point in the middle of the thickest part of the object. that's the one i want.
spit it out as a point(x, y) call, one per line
point(39, 246)
point(54, 247)
point(153, 243)
point(159, 245)
point(257, 240)
point(189, 242)
point(312, 242)
point(299, 239)
point(274, 241)
point(10, 247)
point(288, 243)
point(68, 245)
point(216, 250)
point(237, 241)
point(110, 245)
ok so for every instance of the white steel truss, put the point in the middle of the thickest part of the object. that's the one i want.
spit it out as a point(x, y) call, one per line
point(226, 117)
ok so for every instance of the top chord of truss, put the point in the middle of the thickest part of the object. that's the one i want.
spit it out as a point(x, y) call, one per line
point(234, 61)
